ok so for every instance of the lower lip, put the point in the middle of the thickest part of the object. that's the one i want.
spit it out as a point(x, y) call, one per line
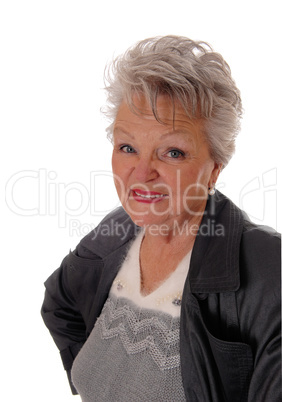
point(139, 198)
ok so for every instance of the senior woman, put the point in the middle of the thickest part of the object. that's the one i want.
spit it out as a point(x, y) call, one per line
point(175, 295)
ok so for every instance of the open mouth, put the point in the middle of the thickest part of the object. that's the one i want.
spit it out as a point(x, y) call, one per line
point(147, 196)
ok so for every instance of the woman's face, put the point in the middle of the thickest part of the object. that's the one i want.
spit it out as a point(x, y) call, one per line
point(162, 171)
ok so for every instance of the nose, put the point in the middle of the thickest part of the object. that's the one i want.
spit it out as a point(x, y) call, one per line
point(145, 170)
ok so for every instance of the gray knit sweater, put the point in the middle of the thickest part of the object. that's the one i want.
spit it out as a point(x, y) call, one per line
point(132, 354)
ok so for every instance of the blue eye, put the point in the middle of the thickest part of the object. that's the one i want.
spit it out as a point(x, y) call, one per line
point(175, 153)
point(127, 149)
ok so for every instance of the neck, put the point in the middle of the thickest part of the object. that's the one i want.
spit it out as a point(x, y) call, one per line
point(162, 250)
point(175, 231)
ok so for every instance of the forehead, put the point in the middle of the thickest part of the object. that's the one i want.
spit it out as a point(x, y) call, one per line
point(171, 117)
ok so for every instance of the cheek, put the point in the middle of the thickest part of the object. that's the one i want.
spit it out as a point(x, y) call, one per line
point(120, 164)
point(189, 177)
point(121, 174)
point(202, 174)
point(115, 163)
point(193, 182)
point(118, 169)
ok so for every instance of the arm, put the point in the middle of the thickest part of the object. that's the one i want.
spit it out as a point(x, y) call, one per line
point(260, 313)
point(62, 317)
point(76, 292)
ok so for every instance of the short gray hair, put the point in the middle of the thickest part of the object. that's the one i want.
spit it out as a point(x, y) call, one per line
point(187, 71)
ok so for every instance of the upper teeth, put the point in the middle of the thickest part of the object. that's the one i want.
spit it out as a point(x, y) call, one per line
point(150, 196)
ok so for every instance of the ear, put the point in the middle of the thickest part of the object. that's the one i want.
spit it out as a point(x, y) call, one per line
point(215, 173)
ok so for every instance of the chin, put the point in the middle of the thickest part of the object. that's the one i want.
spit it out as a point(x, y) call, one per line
point(148, 219)
point(144, 214)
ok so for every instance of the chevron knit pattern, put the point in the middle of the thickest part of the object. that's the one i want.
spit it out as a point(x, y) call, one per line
point(132, 354)
point(159, 337)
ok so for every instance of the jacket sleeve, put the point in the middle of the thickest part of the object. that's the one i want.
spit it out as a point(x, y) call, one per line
point(260, 313)
point(76, 292)
point(69, 297)
point(62, 317)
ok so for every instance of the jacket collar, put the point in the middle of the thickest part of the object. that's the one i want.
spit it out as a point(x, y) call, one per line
point(214, 265)
point(112, 233)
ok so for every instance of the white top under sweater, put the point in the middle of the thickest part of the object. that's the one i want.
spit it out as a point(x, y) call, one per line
point(132, 353)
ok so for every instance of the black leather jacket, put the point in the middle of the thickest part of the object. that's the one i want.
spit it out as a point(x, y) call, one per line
point(230, 312)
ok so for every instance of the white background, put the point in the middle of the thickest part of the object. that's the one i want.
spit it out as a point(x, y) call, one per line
point(53, 55)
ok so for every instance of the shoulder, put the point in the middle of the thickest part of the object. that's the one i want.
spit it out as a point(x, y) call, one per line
point(96, 258)
point(113, 231)
point(258, 241)
point(260, 265)
point(261, 243)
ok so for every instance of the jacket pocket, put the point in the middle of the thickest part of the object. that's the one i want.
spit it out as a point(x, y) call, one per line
point(219, 368)
point(234, 361)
